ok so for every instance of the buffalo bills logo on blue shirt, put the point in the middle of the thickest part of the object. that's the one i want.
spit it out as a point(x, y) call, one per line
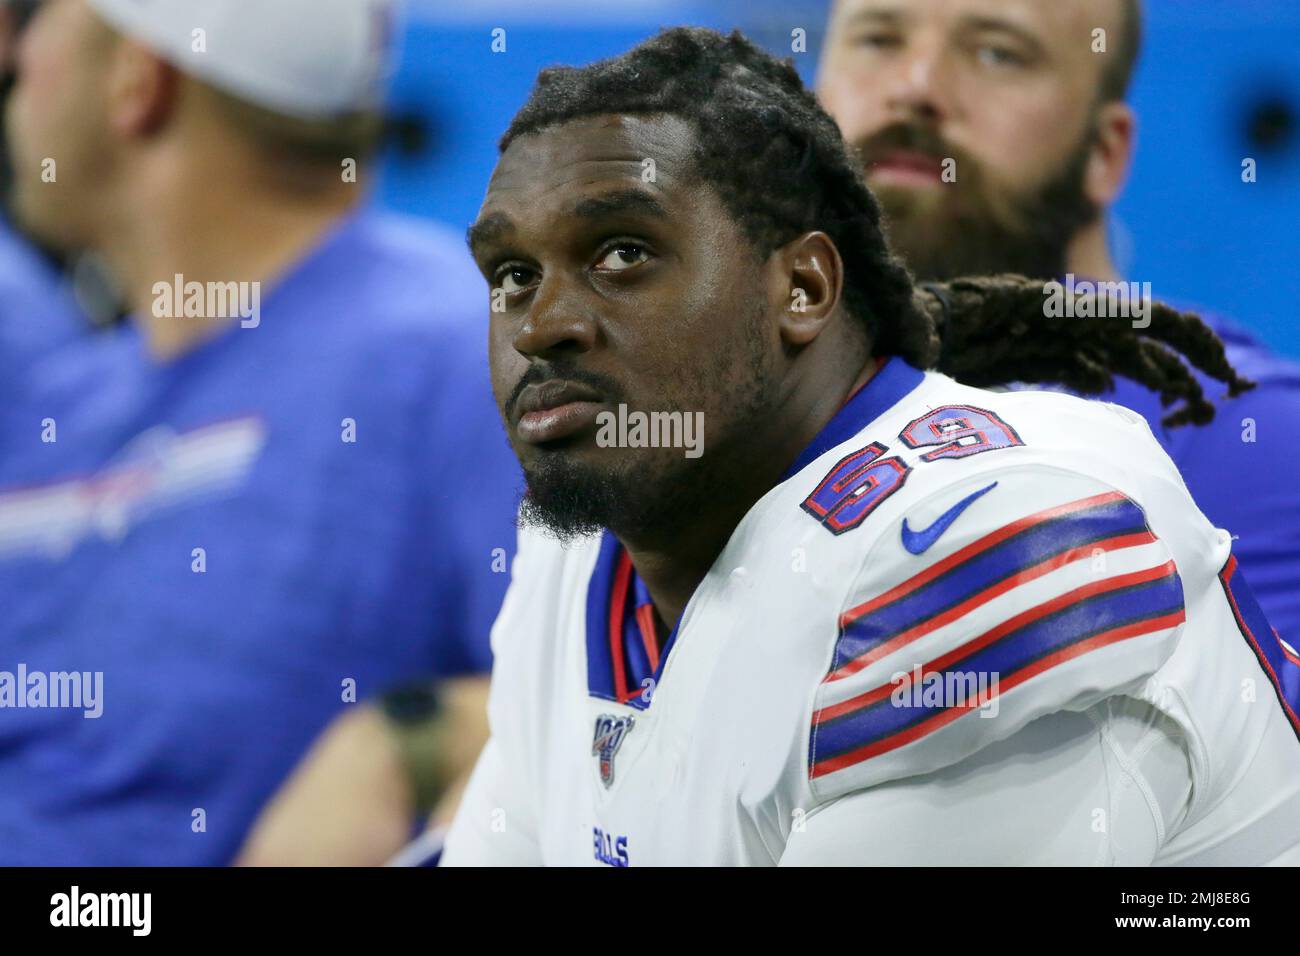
point(610, 732)
point(159, 470)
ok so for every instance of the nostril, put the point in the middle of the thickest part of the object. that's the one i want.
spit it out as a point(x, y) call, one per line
point(556, 324)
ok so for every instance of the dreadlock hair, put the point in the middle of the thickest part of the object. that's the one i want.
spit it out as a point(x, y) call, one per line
point(781, 168)
point(992, 330)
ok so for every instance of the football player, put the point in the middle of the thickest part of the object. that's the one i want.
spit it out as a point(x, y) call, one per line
point(886, 616)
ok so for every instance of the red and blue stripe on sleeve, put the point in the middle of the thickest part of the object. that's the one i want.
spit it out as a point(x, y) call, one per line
point(1041, 571)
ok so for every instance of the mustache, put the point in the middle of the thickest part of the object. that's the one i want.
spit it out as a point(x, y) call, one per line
point(913, 137)
point(985, 226)
point(561, 371)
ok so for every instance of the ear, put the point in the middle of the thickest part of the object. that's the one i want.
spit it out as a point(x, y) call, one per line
point(142, 90)
point(807, 283)
point(1112, 152)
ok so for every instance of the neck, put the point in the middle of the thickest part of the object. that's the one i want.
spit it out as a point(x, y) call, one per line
point(208, 224)
point(673, 561)
point(1088, 253)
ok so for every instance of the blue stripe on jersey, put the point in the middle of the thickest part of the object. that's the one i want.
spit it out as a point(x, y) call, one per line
point(600, 589)
point(1004, 560)
point(1281, 664)
point(634, 652)
point(883, 391)
point(1005, 657)
point(638, 675)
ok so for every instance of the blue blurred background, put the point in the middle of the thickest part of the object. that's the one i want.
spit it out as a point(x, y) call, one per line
point(1219, 81)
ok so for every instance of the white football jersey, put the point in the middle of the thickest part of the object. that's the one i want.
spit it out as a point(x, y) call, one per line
point(967, 627)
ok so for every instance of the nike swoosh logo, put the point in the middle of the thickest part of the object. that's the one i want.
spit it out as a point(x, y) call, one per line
point(918, 542)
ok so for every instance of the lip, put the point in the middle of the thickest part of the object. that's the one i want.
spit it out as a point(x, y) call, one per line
point(908, 168)
point(554, 410)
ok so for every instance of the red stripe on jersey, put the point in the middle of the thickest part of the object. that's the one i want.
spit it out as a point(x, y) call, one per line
point(645, 622)
point(617, 606)
point(972, 549)
point(1008, 626)
point(983, 597)
point(1225, 575)
point(928, 726)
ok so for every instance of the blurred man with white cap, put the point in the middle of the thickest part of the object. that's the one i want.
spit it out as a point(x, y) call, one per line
point(186, 136)
point(282, 488)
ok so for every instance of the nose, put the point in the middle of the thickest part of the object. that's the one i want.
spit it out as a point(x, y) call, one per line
point(557, 325)
point(917, 88)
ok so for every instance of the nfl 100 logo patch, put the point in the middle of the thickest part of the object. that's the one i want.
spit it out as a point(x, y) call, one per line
point(610, 733)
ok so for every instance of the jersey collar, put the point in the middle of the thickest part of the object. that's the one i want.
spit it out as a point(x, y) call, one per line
point(893, 381)
point(623, 663)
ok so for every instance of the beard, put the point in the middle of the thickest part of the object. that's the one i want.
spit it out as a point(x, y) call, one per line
point(977, 227)
point(643, 493)
point(569, 499)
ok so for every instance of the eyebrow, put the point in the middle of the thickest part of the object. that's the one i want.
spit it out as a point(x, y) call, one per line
point(488, 229)
point(893, 16)
point(619, 202)
point(494, 226)
point(883, 14)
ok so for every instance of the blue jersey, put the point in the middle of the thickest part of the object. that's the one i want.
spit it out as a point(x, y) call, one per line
point(216, 553)
point(1242, 469)
point(37, 310)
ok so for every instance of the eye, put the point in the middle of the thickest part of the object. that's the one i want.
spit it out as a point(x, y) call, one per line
point(623, 256)
point(513, 277)
point(879, 40)
point(991, 54)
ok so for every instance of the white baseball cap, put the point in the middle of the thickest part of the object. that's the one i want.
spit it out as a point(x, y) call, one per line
point(303, 58)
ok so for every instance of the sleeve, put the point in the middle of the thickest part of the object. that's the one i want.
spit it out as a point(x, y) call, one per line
point(1003, 597)
point(489, 829)
point(1101, 787)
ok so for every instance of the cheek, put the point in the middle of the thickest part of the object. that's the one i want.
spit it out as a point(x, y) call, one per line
point(44, 105)
point(854, 101)
point(698, 365)
point(1021, 140)
point(27, 121)
point(47, 50)
point(505, 364)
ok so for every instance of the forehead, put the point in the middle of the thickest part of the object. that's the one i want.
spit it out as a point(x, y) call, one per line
point(592, 155)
